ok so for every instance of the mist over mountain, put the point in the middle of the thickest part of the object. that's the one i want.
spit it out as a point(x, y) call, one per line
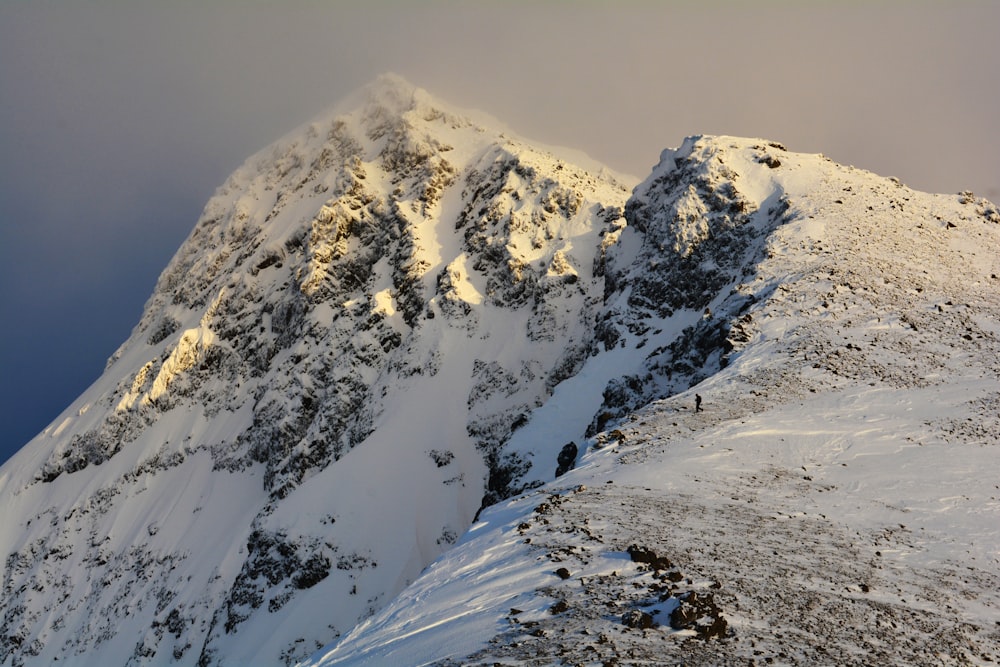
point(402, 318)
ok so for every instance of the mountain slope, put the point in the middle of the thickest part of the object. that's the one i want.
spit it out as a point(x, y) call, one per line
point(402, 316)
point(835, 502)
point(317, 398)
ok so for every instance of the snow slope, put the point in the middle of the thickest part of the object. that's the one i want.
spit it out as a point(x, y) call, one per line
point(836, 501)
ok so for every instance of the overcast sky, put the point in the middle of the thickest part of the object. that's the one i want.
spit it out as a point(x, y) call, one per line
point(118, 122)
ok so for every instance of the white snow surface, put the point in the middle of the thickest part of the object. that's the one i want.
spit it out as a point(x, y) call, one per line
point(403, 311)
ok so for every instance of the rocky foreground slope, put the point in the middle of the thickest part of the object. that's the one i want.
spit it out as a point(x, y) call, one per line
point(402, 316)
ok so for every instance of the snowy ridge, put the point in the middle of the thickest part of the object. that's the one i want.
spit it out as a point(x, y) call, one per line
point(832, 504)
point(402, 316)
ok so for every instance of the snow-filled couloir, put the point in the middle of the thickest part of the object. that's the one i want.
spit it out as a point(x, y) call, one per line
point(402, 316)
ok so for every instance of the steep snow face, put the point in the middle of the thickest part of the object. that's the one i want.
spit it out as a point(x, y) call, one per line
point(318, 397)
point(834, 502)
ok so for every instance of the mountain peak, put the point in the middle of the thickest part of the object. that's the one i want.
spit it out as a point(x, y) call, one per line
point(391, 96)
point(390, 92)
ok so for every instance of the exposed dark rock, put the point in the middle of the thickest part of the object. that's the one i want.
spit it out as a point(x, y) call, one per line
point(699, 613)
point(441, 458)
point(643, 555)
point(567, 458)
point(274, 562)
point(163, 329)
point(636, 618)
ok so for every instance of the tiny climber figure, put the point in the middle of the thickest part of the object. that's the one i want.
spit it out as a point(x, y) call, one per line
point(697, 402)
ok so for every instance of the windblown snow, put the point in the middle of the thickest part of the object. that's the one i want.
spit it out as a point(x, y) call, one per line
point(333, 437)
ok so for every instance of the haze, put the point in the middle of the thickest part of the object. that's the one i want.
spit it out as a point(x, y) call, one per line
point(118, 122)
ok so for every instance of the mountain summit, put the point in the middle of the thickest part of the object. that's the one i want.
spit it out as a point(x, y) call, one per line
point(402, 317)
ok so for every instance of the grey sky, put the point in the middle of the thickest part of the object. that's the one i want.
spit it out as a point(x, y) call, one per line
point(118, 122)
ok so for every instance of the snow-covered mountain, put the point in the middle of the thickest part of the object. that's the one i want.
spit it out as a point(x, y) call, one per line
point(403, 316)
point(319, 396)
